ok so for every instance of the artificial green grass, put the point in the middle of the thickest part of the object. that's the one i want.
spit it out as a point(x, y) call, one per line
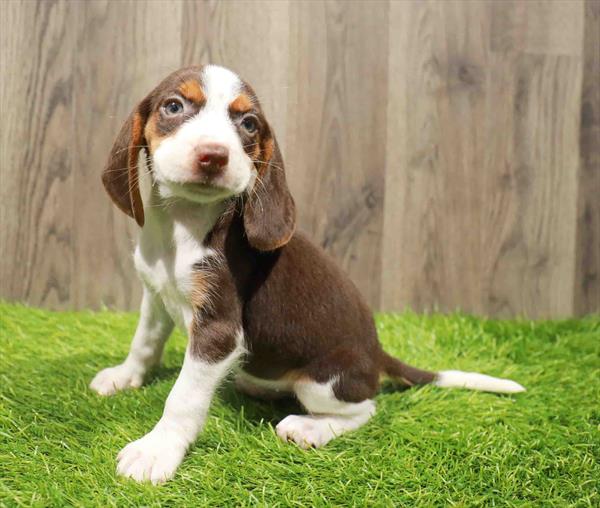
point(425, 447)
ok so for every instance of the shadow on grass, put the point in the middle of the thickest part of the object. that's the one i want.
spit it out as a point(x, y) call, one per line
point(389, 386)
point(72, 375)
point(254, 409)
point(257, 410)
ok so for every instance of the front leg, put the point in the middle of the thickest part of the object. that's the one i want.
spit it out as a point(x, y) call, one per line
point(210, 354)
point(153, 330)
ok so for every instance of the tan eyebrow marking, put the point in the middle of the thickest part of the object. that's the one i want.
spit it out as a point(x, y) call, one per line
point(191, 90)
point(241, 104)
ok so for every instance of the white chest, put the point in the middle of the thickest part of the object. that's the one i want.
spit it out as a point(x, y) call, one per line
point(165, 257)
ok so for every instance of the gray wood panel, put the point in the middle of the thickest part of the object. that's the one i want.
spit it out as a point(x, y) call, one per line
point(482, 157)
point(446, 153)
point(336, 129)
point(36, 260)
point(112, 74)
point(587, 278)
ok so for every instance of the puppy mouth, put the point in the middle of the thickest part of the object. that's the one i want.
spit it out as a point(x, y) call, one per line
point(199, 191)
point(205, 187)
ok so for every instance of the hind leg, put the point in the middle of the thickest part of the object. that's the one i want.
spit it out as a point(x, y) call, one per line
point(336, 405)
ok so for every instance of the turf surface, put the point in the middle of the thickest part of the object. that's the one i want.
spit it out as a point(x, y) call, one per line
point(425, 447)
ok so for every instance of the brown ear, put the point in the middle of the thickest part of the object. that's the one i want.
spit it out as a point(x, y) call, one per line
point(269, 212)
point(120, 176)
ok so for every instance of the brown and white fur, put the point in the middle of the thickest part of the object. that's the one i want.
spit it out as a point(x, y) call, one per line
point(218, 256)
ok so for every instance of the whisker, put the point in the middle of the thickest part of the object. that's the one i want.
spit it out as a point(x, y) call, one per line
point(128, 147)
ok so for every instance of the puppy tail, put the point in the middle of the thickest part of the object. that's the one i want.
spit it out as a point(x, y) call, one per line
point(406, 374)
point(411, 376)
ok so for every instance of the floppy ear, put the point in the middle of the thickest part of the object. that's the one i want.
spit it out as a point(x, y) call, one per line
point(120, 176)
point(269, 211)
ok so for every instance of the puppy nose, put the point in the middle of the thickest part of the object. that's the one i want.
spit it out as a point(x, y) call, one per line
point(212, 157)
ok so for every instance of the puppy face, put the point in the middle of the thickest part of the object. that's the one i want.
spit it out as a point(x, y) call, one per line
point(207, 139)
point(204, 135)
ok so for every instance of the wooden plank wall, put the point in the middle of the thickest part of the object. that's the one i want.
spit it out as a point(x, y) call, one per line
point(446, 152)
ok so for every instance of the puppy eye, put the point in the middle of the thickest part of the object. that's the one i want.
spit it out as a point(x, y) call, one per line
point(250, 124)
point(173, 107)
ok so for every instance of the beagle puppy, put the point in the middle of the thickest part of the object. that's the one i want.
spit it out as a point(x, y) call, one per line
point(219, 256)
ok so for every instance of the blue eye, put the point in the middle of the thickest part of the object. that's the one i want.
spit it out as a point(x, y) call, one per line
point(250, 124)
point(173, 107)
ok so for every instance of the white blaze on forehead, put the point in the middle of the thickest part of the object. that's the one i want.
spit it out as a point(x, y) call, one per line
point(221, 87)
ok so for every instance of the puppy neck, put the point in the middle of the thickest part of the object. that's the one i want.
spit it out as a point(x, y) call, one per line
point(169, 222)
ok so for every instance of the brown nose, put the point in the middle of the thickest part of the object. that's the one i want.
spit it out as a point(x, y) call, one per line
point(212, 158)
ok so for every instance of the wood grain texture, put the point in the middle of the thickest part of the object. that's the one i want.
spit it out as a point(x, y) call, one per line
point(481, 170)
point(412, 250)
point(336, 130)
point(445, 152)
point(587, 279)
point(36, 260)
point(112, 74)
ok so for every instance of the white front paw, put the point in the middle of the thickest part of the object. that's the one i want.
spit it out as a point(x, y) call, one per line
point(155, 457)
point(113, 379)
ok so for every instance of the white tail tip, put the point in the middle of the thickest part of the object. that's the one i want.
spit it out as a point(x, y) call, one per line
point(475, 381)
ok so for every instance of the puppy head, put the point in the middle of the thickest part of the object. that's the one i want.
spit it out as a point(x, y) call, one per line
point(207, 140)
